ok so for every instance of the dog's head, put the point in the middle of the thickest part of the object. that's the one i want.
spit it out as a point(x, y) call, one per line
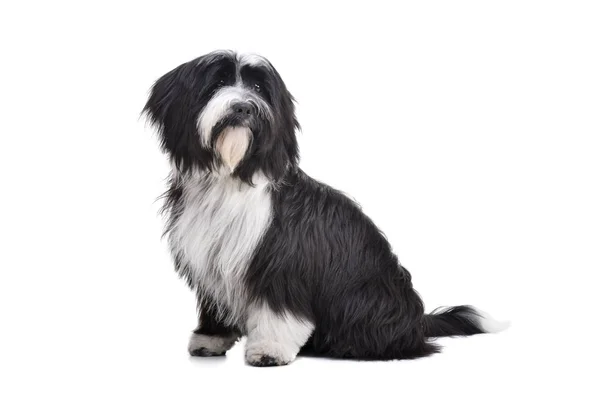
point(227, 114)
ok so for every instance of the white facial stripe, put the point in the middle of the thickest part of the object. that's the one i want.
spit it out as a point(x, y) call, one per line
point(253, 60)
point(216, 108)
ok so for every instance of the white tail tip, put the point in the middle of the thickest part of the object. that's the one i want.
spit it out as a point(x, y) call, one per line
point(491, 325)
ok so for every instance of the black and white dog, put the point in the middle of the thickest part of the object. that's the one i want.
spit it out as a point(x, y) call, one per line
point(288, 262)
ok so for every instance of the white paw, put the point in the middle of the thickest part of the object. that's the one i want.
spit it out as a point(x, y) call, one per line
point(210, 345)
point(268, 354)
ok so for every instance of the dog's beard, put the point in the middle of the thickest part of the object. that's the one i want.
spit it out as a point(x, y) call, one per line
point(232, 145)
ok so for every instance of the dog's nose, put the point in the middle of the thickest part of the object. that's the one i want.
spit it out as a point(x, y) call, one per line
point(242, 109)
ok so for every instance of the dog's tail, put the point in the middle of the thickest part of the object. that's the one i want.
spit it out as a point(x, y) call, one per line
point(460, 321)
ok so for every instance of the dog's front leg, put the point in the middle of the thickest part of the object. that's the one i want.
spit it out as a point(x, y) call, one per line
point(275, 338)
point(212, 337)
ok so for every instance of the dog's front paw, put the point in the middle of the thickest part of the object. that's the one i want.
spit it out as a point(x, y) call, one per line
point(204, 352)
point(268, 355)
point(210, 345)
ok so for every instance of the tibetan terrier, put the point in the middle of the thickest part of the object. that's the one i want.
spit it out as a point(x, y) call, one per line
point(274, 255)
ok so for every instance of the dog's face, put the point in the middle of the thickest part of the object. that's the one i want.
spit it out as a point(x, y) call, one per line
point(227, 114)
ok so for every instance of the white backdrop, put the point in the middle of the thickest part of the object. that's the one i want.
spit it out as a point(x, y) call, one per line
point(468, 130)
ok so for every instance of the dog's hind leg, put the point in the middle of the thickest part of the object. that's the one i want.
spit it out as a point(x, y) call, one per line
point(275, 338)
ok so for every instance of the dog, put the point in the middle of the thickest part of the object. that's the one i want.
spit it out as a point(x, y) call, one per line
point(288, 262)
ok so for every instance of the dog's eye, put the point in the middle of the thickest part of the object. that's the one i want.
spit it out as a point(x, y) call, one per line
point(221, 83)
point(257, 87)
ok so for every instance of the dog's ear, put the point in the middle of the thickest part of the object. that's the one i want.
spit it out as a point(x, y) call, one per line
point(163, 93)
point(286, 126)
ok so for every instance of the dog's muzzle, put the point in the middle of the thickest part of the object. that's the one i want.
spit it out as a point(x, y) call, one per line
point(232, 145)
point(243, 110)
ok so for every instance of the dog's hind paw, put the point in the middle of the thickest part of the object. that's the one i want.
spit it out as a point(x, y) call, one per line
point(264, 360)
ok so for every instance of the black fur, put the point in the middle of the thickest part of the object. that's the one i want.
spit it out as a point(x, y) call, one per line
point(325, 260)
point(204, 352)
point(210, 323)
point(178, 97)
point(452, 321)
point(322, 258)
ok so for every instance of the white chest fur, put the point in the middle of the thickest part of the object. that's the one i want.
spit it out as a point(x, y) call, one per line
point(221, 221)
